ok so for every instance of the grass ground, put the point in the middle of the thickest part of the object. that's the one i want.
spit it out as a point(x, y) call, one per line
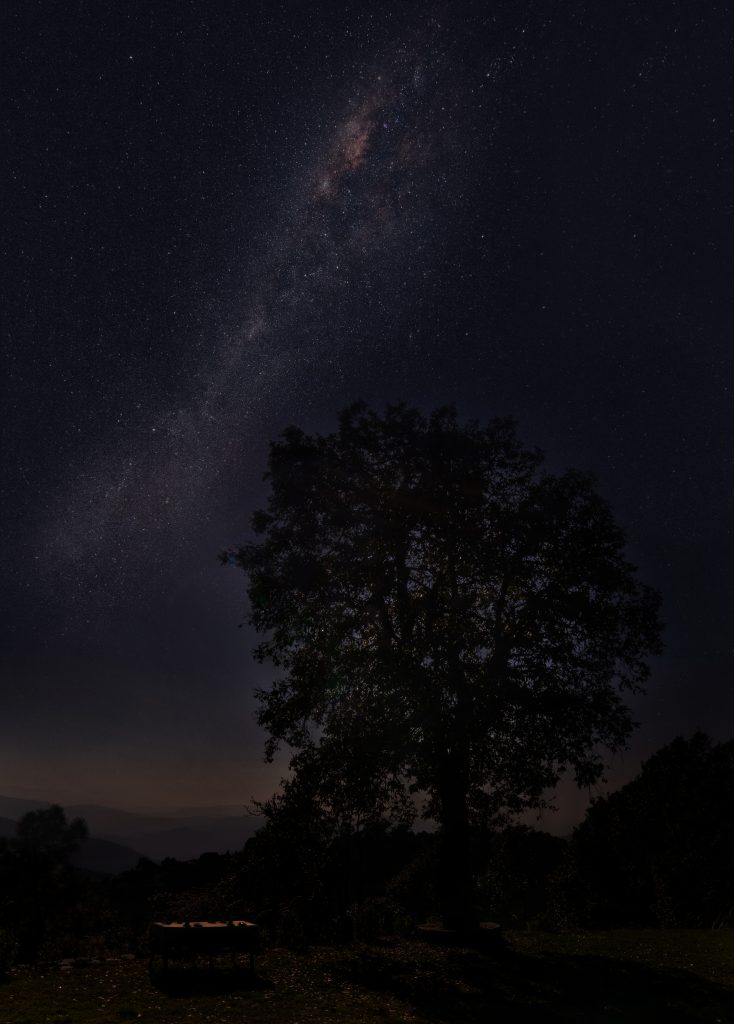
point(644, 976)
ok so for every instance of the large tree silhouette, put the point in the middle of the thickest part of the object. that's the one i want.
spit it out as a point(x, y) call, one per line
point(446, 619)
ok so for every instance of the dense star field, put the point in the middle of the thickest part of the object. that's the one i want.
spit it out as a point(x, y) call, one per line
point(226, 218)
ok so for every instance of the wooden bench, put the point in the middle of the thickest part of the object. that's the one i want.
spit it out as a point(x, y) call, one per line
point(186, 940)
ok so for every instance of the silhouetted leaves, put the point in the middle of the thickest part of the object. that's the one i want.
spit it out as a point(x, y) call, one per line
point(37, 886)
point(448, 620)
point(661, 849)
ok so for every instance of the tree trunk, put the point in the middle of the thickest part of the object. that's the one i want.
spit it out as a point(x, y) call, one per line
point(456, 879)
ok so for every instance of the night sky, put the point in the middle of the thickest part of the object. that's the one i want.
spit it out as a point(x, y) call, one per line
point(221, 218)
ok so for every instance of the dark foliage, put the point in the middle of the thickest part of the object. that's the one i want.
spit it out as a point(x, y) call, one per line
point(661, 849)
point(38, 889)
point(309, 875)
point(446, 619)
point(521, 883)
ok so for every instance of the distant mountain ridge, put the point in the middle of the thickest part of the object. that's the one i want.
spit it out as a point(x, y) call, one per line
point(14, 807)
point(180, 835)
point(104, 857)
point(98, 855)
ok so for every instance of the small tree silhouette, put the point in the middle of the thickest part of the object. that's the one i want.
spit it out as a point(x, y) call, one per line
point(36, 883)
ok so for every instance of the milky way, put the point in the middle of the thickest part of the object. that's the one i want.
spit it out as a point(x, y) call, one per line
point(359, 225)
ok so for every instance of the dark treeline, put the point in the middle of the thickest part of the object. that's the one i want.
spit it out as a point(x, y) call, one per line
point(656, 853)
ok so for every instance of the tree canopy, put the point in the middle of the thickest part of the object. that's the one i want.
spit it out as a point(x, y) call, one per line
point(445, 617)
point(660, 850)
point(36, 883)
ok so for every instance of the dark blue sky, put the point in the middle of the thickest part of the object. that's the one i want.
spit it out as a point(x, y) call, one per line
point(224, 218)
